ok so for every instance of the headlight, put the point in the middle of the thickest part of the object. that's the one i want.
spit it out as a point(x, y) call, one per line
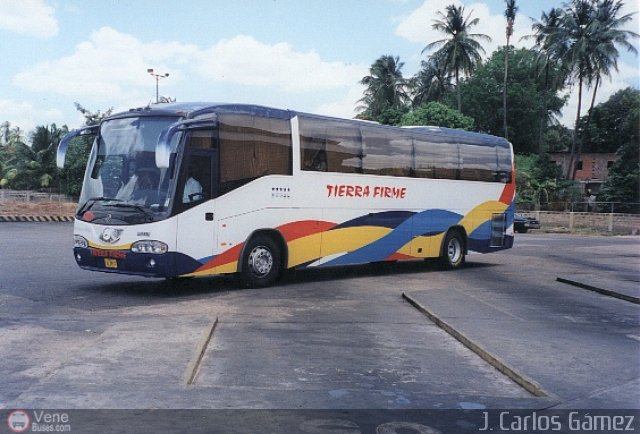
point(79, 241)
point(149, 246)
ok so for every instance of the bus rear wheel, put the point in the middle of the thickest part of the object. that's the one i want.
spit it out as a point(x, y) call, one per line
point(260, 262)
point(453, 250)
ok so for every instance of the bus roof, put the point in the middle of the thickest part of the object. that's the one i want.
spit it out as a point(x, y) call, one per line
point(195, 109)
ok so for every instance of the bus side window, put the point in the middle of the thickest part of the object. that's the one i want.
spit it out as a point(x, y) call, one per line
point(478, 162)
point(252, 147)
point(385, 152)
point(423, 159)
point(436, 157)
point(503, 157)
point(330, 146)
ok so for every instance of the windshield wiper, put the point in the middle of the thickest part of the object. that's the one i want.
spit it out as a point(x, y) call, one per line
point(93, 200)
point(147, 214)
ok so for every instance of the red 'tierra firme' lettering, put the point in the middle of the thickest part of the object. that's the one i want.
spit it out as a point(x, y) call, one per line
point(377, 191)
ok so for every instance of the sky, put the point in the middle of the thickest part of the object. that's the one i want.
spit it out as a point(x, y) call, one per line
point(306, 55)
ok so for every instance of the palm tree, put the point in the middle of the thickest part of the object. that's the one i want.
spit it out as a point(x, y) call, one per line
point(606, 35)
point(576, 31)
point(592, 29)
point(549, 47)
point(44, 142)
point(431, 82)
point(10, 135)
point(510, 15)
point(386, 87)
point(460, 51)
point(11, 141)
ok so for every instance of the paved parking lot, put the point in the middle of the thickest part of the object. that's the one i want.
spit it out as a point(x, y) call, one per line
point(340, 338)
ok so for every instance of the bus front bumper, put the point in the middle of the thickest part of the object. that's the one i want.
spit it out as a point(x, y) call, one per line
point(168, 264)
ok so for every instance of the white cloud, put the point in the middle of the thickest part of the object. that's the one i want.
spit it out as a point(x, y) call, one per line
point(109, 66)
point(246, 61)
point(416, 27)
point(28, 17)
point(26, 116)
point(344, 107)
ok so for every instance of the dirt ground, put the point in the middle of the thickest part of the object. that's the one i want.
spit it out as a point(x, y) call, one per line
point(10, 207)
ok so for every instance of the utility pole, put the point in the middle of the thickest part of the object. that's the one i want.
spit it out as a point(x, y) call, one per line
point(157, 77)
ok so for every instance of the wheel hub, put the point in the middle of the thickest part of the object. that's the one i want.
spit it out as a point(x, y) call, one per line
point(454, 250)
point(260, 261)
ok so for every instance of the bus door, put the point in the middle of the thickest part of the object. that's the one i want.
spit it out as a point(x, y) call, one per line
point(197, 186)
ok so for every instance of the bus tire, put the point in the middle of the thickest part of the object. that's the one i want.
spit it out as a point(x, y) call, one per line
point(260, 262)
point(453, 250)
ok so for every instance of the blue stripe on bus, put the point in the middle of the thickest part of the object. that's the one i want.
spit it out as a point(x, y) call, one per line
point(435, 220)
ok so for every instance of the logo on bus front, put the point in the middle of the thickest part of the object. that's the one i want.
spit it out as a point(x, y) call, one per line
point(111, 235)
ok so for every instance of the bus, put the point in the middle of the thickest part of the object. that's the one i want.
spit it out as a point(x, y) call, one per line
point(199, 189)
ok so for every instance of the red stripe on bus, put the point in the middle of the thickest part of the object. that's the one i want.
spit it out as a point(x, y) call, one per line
point(295, 230)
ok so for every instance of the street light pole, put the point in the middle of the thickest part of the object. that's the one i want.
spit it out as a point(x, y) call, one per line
point(157, 77)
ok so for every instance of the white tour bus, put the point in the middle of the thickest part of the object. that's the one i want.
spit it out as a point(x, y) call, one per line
point(198, 189)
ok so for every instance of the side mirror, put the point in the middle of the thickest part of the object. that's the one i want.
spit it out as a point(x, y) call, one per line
point(64, 143)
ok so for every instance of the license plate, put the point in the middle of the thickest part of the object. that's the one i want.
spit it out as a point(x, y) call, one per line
point(110, 263)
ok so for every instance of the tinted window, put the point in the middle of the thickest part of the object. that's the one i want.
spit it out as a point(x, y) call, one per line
point(504, 164)
point(478, 162)
point(251, 147)
point(423, 158)
point(341, 146)
point(386, 152)
point(434, 156)
point(330, 146)
point(201, 139)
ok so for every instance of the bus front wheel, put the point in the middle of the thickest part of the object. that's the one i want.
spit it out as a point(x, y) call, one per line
point(453, 251)
point(260, 262)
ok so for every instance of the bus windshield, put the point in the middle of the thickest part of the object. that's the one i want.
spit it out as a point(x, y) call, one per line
point(122, 180)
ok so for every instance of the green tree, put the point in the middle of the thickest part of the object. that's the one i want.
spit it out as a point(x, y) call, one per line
point(510, 15)
point(31, 167)
point(614, 122)
point(572, 42)
point(535, 179)
point(556, 138)
point(71, 176)
point(483, 100)
point(607, 34)
point(11, 141)
point(386, 88)
point(545, 33)
point(623, 180)
point(431, 83)
point(539, 181)
point(460, 50)
point(44, 143)
point(590, 33)
point(437, 114)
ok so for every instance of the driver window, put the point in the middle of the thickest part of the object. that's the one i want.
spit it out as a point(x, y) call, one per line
point(196, 180)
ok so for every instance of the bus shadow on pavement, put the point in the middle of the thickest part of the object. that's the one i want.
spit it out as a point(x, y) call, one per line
point(158, 291)
point(372, 270)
